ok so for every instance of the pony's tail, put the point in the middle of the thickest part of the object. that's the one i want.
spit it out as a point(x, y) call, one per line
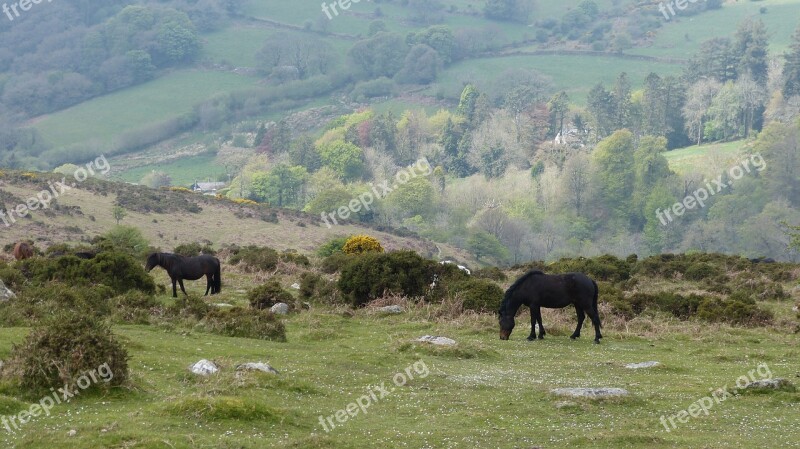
point(594, 299)
point(218, 278)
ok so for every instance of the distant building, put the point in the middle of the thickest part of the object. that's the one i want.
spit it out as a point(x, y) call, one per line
point(207, 187)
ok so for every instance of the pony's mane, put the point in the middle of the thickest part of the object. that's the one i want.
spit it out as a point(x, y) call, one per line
point(513, 288)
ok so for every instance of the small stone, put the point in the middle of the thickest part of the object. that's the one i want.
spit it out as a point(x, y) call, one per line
point(642, 365)
point(257, 366)
point(591, 393)
point(435, 340)
point(204, 368)
point(394, 310)
point(223, 304)
point(72, 433)
point(6, 294)
point(296, 286)
point(280, 309)
point(566, 404)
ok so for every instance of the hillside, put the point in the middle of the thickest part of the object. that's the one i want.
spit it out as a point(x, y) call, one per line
point(85, 211)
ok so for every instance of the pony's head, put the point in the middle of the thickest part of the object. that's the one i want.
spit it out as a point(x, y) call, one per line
point(506, 325)
point(152, 262)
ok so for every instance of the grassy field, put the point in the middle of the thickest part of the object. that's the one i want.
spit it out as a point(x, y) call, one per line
point(568, 73)
point(483, 393)
point(707, 159)
point(183, 172)
point(106, 117)
point(681, 36)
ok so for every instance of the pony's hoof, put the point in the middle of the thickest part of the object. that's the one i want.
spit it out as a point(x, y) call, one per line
point(597, 342)
point(573, 337)
point(541, 337)
point(531, 338)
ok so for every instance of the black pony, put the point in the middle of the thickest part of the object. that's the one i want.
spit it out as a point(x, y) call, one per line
point(191, 268)
point(554, 291)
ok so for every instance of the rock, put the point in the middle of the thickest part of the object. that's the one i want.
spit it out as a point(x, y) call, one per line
point(6, 294)
point(591, 393)
point(72, 433)
point(391, 310)
point(642, 365)
point(440, 341)
point(257, 366)
point(280, 308)
point(204, 368)
point(774, 384)
point(296, 286)
point(223, 304)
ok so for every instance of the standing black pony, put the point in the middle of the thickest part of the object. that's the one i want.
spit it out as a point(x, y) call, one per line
point(554, 291)
point(191, 268)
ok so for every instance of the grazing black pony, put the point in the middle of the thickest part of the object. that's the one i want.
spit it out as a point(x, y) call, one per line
point(554, 291)
point(191, 268)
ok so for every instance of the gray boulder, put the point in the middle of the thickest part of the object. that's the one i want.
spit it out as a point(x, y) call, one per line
point(257, 366)
point(280, 309)
point(439, 341)
point(770, 384)
point(204, 368)
point(642, 365)
point(590, 393)
point(393, 310)
point(6, 294)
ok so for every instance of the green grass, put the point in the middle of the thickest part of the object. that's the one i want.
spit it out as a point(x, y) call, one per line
point(106, 117)
point(484, 394)
point(183, 171)
point(567, 72)
point(707, 158)
point(681, 36)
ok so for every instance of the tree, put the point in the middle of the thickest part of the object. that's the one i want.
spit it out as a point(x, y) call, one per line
point(716, 59)
point(725, 113)
point(344, 158)
point(791, 70)
point(381, 55)
point(701, 95)
point(156, 179)
point(576, 177)
point(438, 37)
point(779, 145)
point(281, 186)
point(650, 169)
point(483, 244)
point(559, 108)
point(119, 213)
point(306, 55)
point(421, 66)
point(601, 104)
point(751, 44)
point(614, 160)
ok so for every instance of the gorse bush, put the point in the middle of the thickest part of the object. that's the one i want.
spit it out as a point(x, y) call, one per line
point(332, 246)
point(603, 268)
point(134, 307)
point(194, 249)
point(267, 295)
point(360, 244)
point(255, 258)
point(479, 295)
point(245, 323)
point(61, 349)
point(315, 287)
point(38, 302)
point(370, 275)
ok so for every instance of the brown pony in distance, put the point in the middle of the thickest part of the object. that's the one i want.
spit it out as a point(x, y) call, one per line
point(23, 250)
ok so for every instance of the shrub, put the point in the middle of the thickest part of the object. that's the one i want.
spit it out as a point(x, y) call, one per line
point(246, 323)
point(492, 273)
point(292, 257)
point(62, 349)
point(603, 268)
point(370, 275)
point(189, 307)
point(314, 286)
point(42, 301)
point(267, 295)
point(255, 258)
point(479, 295)
point(194, 249)
point(134, 307)
point(701, 271)
point(733, 311)
point(332, 246)
point(126, 239)
point(360, 244)
point(335, 262)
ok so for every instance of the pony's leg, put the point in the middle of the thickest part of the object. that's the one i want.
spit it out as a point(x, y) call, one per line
point(208, 284)
point(174, 288)
point(581, 317)
point(180, 281)
point(535, 314)
point(596, 323)
point(541, 326)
